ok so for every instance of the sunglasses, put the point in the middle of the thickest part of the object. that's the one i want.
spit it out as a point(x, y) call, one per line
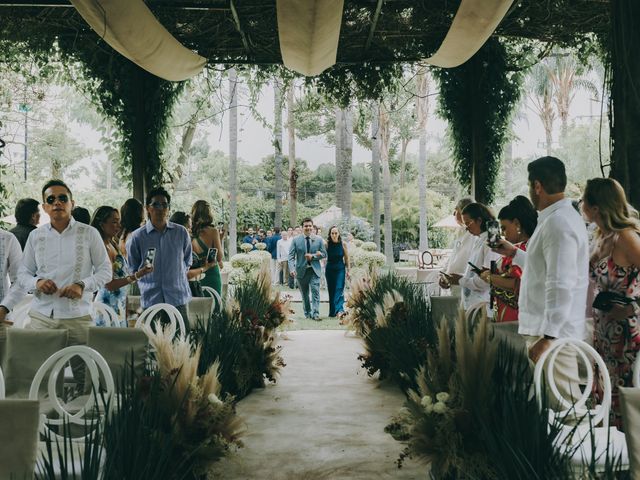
point(163, 205)
point(51, 199)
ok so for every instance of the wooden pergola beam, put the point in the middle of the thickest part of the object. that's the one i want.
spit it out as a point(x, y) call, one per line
point(236, 20)
point(374, 24)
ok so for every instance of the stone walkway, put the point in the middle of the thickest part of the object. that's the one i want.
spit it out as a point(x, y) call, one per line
point(323, 420)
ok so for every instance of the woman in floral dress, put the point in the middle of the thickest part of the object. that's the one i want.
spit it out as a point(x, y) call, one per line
point(114, 294)
point(615, 264)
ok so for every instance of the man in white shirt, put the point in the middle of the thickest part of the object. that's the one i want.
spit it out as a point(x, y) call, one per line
point(555, 279)
point(282, 270)
point(462, 249)
point(10, 260)
point(64, 262)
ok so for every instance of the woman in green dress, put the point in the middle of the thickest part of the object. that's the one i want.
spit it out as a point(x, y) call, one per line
point(206, 236)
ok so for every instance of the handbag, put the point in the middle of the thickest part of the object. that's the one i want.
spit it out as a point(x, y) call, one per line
point(605, 300)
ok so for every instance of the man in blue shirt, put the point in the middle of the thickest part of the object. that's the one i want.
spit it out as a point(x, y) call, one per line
point(250, 238)
point(168, 281)
point(272, 248)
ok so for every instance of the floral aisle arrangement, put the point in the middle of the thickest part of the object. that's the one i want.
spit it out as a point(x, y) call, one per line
point(245, 266)
point(366, 260)
point(243, 336)
point(386, 312)
point(473, 414)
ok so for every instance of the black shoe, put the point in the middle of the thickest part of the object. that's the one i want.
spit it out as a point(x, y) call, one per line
point(317, 318)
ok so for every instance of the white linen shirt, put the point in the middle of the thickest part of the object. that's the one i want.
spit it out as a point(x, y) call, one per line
point(10, 260)
point(462, 249)
point(76, 254)
point(475, 290)
point(282, 248)
point(555, 275)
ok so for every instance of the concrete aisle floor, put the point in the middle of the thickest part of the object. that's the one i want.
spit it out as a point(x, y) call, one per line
point(324, 419)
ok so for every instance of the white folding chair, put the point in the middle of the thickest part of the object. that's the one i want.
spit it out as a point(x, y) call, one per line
point(175, 318)
point(636, 372)
point(52, 367)
point(217, 299)
point(110, 316)
point(2, 390)
point(595, 442)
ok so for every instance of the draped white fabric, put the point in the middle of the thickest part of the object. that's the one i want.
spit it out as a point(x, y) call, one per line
point(309, 31)
point(132, 30)
point(473, 24)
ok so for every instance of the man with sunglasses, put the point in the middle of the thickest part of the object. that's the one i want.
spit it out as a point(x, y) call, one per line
point(167, 283)
point(64, 262)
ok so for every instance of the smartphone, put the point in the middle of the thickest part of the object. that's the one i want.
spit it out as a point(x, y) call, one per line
point(493, 233)
point(150, 256)
point(212, 254)
point(475, 269)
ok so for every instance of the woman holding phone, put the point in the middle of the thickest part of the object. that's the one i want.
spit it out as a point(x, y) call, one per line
point(475, 291)
point(518, 220)
point(205, 236)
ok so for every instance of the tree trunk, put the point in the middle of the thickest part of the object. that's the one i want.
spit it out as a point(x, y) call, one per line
point(404, 143)
point(347, 162)
point(233, 162)
point(339, 153)
point(375, 171)
point(277, 134)
point(138, 136)
point(183, 155)
point(293, 174)
point(422, 104)
point(385, 135)
point(625, 98)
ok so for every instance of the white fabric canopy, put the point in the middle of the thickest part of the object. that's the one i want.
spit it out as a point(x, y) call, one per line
point(473, 24)
point(309, 31)
point(131, 29)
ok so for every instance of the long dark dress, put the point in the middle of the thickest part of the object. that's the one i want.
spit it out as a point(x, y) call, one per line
point(335, 274)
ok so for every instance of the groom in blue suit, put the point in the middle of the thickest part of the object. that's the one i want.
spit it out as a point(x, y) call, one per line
point(304, 263)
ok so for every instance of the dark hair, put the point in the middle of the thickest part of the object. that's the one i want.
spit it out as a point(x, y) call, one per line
point(131, 215)
point(25, 208)
point(56, 183)
point(478, 211)
point(550, 172)
point(329, 235)
point(276, 230)
point(100, 216)
point(305, 220)
point(158, 192)
point(81, 214)
point(181, 218)
point(521, 209)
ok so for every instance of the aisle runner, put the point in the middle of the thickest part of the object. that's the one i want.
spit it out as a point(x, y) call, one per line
point(323, 420)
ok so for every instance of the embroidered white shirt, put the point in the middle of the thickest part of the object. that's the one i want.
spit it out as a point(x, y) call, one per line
point(10, 259)
point(462, 249)
point(555, 275)
point(475, 290)
point(76, 254)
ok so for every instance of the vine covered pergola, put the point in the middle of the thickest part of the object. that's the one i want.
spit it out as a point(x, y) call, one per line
point(376, 38)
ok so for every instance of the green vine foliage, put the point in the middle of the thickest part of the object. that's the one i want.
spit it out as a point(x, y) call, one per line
point(478, 99)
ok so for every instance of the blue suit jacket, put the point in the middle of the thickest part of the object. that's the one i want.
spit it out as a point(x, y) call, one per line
point(299, 248)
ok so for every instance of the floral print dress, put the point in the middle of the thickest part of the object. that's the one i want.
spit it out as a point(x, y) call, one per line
point(118, 298)
point(617, 341)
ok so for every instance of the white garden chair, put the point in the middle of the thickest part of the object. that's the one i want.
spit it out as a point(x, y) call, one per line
point(110, 316)
point(606, 441)
point(145, 319)
point(217, 299)
point(52, 367)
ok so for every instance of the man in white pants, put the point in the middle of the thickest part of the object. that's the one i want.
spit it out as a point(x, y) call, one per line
point(555, 279)
point(282, 248)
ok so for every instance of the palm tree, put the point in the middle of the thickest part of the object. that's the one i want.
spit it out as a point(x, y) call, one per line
point(375, 170)
point(293, 175)
point(343, 174)
point(233, 162)
point(542, 92)
point(422, 113)
point(277, 143)
point(385, 137)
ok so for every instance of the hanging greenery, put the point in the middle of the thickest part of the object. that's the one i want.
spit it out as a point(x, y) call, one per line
point(478, 99)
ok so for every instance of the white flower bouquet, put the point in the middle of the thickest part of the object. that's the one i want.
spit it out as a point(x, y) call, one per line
point(369, 247)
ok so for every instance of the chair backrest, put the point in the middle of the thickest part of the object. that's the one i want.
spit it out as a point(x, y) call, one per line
point(217, 299)
point(426, 259)
point(19, 438)
point(1, 384)
point(109, 315)
point(175, 318)
point(576, 408)
point(52, 367)
point(636, 372)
